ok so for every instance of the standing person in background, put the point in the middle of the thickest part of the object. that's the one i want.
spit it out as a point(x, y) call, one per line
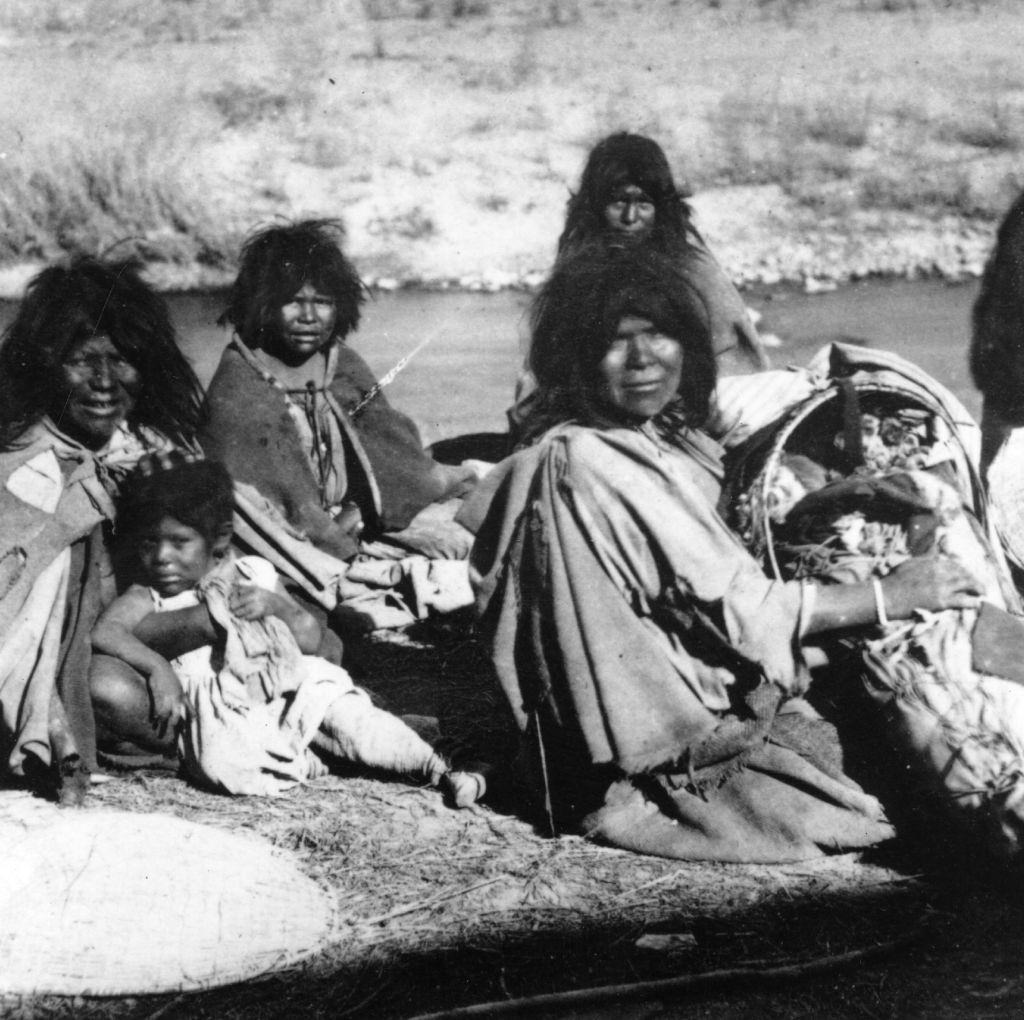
point(627, 196)
point(627, 192)
point(91, 379)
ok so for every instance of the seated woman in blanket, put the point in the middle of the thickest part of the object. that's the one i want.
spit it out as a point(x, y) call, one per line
point(254, 710)
point(91, 378)
point(296, 413)
point(654, 670)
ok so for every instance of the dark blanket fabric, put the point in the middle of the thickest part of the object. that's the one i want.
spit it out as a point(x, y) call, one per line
point(645, 656)
point(88, 594)
point(390, 476)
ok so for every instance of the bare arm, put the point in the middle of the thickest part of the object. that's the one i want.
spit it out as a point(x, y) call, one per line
point(925, 582)
point(250, 602)
point(114, 635)
point(178, 631)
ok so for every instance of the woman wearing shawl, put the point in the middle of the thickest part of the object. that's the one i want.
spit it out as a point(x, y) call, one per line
point(651, 665)
point(90, 380)
point(297, 414)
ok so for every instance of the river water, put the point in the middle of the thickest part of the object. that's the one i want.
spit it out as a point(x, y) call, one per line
point(462, 380)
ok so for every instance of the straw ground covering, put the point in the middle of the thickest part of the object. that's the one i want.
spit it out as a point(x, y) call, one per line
point(442, 909)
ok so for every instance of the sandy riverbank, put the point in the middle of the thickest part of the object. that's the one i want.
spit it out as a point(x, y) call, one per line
point(823, 142)
point(758, 233)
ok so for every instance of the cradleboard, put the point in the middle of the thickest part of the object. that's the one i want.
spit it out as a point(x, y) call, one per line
point(875, 463)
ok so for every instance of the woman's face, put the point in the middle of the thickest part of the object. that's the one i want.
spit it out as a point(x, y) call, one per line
point(641, 371)
point(96, 391)
point(305, 325)
point(630, 210)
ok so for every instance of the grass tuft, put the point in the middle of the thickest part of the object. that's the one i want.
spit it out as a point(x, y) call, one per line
point(244, 105)
point(412, 225)
point(116, 193)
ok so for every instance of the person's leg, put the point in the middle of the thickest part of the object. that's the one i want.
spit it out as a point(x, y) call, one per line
point(70, 768)
point(120, 700)
point(354, 729)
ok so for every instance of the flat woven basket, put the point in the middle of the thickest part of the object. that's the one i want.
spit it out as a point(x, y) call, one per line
point(106, 902)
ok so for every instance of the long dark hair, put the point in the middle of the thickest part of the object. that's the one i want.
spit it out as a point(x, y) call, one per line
point(997, 344)
point(621, 159)
point(87, 297)
point(276, 262)
point(575, 318)
point(196, 492)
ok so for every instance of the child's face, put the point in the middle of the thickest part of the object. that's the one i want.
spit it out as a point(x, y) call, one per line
point(174, 557)
point(305, 325)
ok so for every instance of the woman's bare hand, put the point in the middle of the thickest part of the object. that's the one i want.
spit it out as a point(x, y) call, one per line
point(932, 583)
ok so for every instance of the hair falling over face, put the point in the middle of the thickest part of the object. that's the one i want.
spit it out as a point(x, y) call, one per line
point(76, 301)
point(276, 263)
point(577, 316)
point(623, 161)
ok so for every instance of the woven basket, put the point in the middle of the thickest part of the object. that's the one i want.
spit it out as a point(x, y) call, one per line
point(960, 730)
point(810, 428)
point(105, 902)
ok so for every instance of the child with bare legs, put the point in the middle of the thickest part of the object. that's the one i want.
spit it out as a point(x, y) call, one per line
point(253, 711)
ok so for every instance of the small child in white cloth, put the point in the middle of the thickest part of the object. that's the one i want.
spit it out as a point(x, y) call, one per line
point(255, 711)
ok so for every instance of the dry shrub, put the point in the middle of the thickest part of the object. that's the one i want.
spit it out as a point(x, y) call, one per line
point(999, 128)
point(790, 144)
point(89, 195)
point(244, 105)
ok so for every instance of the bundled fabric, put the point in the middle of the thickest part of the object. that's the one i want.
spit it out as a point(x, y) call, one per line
point(386, 585)
point(960, 728)
point(251, 714)
point(879, 464)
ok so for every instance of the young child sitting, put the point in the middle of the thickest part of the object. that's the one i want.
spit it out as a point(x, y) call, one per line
point(255, 712)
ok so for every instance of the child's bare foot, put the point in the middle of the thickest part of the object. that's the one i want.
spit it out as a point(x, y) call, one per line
point(463, 789)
